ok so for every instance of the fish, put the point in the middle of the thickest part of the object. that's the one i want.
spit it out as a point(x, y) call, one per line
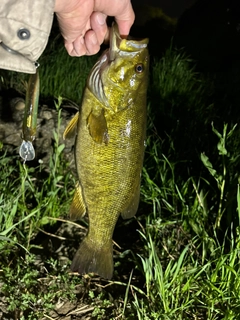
point(109, 149)
point(29, 129)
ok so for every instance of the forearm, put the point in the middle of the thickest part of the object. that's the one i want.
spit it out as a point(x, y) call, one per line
point(24, 30)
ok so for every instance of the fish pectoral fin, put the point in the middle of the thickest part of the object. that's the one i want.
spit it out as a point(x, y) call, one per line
point(78, 207)
point(97, 126)
point(132, 207)
point(70, 130)
point(91, 258)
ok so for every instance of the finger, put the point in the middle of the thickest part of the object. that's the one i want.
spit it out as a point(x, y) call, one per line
point(91, 43)
point(107, 36)
point(124, 26)
point(99, 25)
point(76, 48)
point(121, 10)
point(125, 20)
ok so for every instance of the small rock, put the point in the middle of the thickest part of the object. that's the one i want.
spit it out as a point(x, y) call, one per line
point(20, 105)
point(64, 307)
point(53, 314)
point(46, 114)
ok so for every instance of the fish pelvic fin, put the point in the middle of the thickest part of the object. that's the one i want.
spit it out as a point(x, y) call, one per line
point(92, 259)
point(70, 130)
point(78, 207)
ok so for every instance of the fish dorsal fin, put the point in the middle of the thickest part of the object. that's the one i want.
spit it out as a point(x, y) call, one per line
point(132, 206)
point(97, 126)
point(78, 207)
point(70, 130)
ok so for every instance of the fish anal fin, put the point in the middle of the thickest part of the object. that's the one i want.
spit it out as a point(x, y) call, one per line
point(97, 126)
point(78, 207)
point(91, 259)
point(132, 207)
point(70, 130)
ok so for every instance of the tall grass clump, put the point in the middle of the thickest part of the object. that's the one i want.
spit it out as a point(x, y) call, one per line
point(62, 75)
point(31, 198)
point(180, 102)
point(186, 120)
point(191, 269)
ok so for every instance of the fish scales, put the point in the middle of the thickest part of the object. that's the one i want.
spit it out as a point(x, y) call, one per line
point(109, 149)
point(109, 172)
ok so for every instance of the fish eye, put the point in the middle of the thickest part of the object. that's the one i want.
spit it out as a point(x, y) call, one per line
point(139, 68)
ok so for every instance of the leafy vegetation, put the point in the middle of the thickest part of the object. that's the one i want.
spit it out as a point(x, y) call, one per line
point(181, 260)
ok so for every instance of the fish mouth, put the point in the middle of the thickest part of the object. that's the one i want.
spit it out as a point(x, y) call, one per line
point(126, 46)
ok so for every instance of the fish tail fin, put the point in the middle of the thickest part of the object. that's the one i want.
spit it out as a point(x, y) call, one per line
point(89, 258)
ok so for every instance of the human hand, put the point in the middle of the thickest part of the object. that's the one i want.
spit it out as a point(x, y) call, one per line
point(83, 22)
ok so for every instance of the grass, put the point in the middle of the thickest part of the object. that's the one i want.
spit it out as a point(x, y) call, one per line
point(184, 263)
point(191, 271)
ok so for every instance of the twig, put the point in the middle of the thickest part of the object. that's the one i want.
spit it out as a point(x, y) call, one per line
point(80, 310)
point(52, 235)
point(45, 315)
point(67, 221)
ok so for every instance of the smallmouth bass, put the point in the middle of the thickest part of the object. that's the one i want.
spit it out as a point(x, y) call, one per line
point(109, 148)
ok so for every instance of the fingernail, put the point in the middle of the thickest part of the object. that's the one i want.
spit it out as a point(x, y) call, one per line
point(101, 18)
